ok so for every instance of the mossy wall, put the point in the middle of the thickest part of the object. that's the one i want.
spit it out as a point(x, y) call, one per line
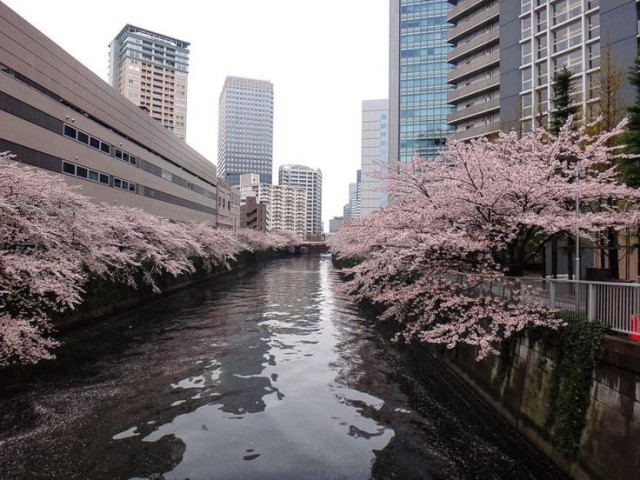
point(589, 425)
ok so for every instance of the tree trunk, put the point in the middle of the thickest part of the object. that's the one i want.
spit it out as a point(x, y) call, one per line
point(614, 257)
point(554, 257)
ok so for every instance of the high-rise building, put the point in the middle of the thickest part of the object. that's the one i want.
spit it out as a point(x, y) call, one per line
point(286, 206)
point(374, 154)
point(245, 129)
point(418, 71)
point(151, 70)
point(505, 56)
point(540, 37)
point(475, 73)
point(59, 116)
point(355, 196)
point(311, 181)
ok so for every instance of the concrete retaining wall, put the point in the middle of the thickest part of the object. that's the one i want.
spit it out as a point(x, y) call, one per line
point(520, 390)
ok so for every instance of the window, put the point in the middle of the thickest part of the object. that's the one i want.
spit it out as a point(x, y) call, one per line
point(124, 185)
point(527, 81)
point(83, 137)
point(68, 168)
point(94, 142)
point(69, 131)
point(82, 172)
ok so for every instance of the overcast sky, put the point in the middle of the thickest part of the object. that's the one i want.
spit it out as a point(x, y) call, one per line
point(323, 57)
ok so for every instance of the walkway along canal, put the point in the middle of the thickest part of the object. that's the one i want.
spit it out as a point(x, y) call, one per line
point(264, 373)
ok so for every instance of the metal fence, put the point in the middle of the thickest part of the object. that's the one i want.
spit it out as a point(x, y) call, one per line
point(613, 304)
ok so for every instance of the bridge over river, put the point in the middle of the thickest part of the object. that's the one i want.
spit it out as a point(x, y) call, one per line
point(264, 373)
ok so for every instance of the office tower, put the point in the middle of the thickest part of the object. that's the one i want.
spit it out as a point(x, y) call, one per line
point(311, 181)
point(475, 73)
point(151, 70)
point(245, 129)
point(374, 154)
point(355, 195)
point(335, 224)
point(418, 71)
point(540, 37)
point(59, 116)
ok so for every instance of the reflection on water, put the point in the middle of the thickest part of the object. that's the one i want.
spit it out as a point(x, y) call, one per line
point(265, 373)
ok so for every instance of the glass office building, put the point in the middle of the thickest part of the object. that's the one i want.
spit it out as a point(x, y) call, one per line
point(245, 129)
point(418, 78)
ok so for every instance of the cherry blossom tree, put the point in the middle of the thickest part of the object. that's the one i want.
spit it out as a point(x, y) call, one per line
point(460, 227)
point(53, 240)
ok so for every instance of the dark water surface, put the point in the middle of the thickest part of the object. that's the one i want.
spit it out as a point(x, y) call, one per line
point(267, 373)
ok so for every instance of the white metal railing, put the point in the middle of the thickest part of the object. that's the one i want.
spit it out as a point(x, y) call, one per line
point(611, 303)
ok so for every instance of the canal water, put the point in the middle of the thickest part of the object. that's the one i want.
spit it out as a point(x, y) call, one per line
point(265, 373)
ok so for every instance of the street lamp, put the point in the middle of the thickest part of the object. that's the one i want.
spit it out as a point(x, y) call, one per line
point(577, 273)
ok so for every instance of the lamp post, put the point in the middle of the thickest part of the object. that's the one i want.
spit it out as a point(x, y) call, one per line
point(577, 273)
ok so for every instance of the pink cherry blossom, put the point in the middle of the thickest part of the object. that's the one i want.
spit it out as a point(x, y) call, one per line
point(458, 225)
point(53, 239)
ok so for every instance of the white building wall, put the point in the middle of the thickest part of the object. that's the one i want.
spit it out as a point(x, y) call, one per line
point(374, 152)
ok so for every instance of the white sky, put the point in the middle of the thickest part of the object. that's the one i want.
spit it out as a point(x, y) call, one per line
point(323, 58)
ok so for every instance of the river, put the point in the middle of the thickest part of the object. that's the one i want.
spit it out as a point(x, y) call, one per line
point(264, 373)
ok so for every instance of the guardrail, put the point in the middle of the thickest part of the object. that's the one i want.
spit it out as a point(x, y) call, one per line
point(611, 303)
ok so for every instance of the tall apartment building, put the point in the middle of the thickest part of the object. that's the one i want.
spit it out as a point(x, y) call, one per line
point(245, 129)
point(311, 181)
point(418, 70)
point(151, 70)
point(475, 72)
point(59, 116)
point(286, 206)
point(373, 154)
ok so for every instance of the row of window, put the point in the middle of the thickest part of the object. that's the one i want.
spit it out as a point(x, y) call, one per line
point(85, 138)
point(97, 177)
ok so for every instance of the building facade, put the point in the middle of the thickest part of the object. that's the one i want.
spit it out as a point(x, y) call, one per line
point(253, 215)
point(475, 68)
point(151, 70)
point(418, 72)
point(335, 224)
point(245, 129)
point(540, 37)
point(374, 154)
point(355, 196)
point(311, 181)
point(59, 116)
point(286, 206)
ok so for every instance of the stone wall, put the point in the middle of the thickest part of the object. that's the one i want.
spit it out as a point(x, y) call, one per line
point(519, 385)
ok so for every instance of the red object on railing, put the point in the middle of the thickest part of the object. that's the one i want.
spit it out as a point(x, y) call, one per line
point(634, 335)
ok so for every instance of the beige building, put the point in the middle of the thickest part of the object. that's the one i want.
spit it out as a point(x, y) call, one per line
point(286, 206)
point(228, 207)
point(151, 70)
point(310, 180)
point(253, 215)
point(59, 116)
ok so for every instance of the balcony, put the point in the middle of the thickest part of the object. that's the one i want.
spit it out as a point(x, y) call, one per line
point(475, 132)
point(474, 89)
point(475, 110)
point(475, 44)
point(465, 70)
point(464, 7)
point(478, 21)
